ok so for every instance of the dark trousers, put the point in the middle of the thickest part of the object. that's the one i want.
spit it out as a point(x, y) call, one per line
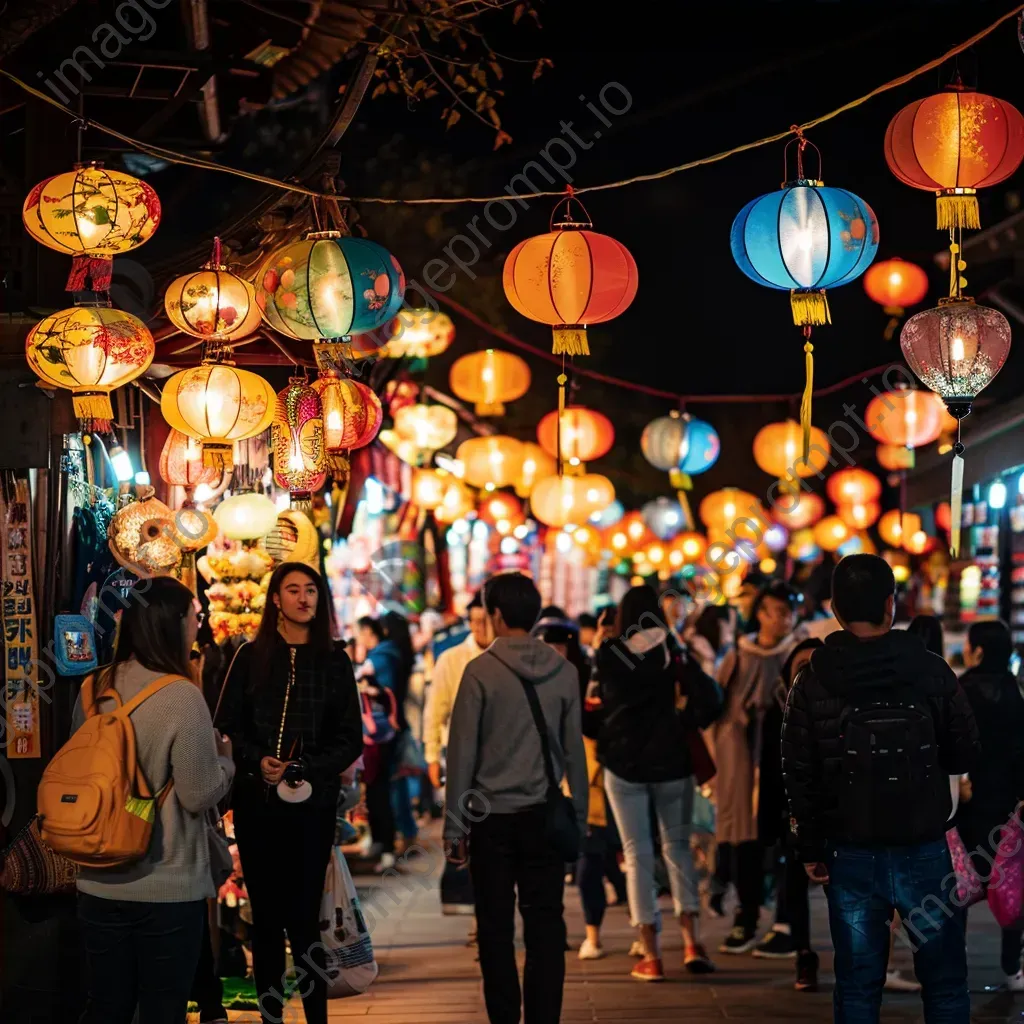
point(379, 810)
point(139, 954)
point(793, 905)
point(1010, 954)
point(508, 854)
point(284, 849)
point(207, 988)
point(743, 865)
point(865, 886)
point(597, 863)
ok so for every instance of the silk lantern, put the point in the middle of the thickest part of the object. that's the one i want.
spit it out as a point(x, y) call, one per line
point(90, 351)
point(491, 462)
point(537, 465)
point(246, 517)
point(953, 143)
point(680, 443)
point(664, 517)
point(560, 500)
point(777, 451)
point(853, 486)
point(352, 417)
point(489, 379)
point(298, 440)
point(831, 533)
point(895, 284)
point(419, 334)
point(181, 465)
point(428, 427)
point(502, 511)
point(582, 434)
point(797, 510)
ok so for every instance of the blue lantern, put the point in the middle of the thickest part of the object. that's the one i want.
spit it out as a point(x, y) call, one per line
point(608, 516)
point(680, 443)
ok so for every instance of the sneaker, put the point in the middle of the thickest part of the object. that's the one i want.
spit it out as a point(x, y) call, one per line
point(740, 940)
point(649, 970)
point(590, 951)
point(1015, 982)
point(895, 982)
point(386, 863)
point(775, 946)
point(637, 949)
point(715, 908)
point(806, 972)
point(697, 961)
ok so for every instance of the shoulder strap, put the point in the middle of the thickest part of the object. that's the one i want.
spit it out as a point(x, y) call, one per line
point(224, 684)
point(88, 697)
point(542, 730)
point(143, 695)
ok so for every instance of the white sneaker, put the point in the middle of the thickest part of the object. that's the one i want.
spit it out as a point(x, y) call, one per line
point(1015, 982)
point(637, 949)
point(895, 982)
point(590, 951)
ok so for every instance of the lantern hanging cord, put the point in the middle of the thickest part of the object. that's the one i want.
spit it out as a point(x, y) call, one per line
point(172, 156)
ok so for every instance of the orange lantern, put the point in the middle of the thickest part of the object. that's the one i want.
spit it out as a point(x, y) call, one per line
point(943, 517)
point(298, 435)
point(778, 450)
point(491, 462)
point(894, 527)
point(537, 464)
point(721, 509)
point(352, 416)
point(181, 465)
point(918, 542)
point(859, 515)
point(628, 535)
point(853, 486)
point(458, 501)
point(952, 144)
point(895, 284)
point(560, 500)
point(585, 435)
point(798, 510)
point(429, 487)
point(502, 511)
point(419, 334)
point(831, 533)
point(428, 427)
point(570, 278)
point(894, 457)
point(691, 547)
point(905, 417)
point(490, 379)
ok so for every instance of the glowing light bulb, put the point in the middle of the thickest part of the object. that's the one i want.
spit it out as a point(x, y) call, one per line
point(508, 546)
point(636, 530)
point(729, 509)
point(671, 518)
point(895, 278)
point(593, 494)
point(529, 467)
point(574, 461)
point(997, 495)
point(804, 241)
point(655, 555)
point(295, 458)
point(956, 349)
point(911, 417)
point(675, 559)
point(487, 374)
point(204, 493)
point(564, 543)
point(334, 420)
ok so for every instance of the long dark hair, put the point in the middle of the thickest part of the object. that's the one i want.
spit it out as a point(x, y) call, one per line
point(396, 629)
point(639, 610)
point(994, 639)
point(929, 629)
point(152, 631)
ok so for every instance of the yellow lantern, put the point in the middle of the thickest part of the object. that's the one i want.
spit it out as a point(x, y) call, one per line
point(491, 462)
point(428, 488)
point(831, 533)
point(218, 404)
point(419, 334)
point(720, 509)
point(490, 379)
point(894, 528)
point(458, 501)
point(246, 517)
point(90, 350)
point(537, 465)
point(859, 514)
point(428, 427)
point(559, 500)
point(778, 450)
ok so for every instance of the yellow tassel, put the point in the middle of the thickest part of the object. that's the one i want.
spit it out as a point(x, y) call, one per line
point(684, 501)
point(562, 381)
point(679, 480)
point(218, 456)
point(810, 308)
point(338, 466)
point(957, 211)
point(93, 405)
point(490, 408)
point(805, 402)
point(570, 341)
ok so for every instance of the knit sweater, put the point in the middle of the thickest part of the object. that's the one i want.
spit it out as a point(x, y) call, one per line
point(174, 737)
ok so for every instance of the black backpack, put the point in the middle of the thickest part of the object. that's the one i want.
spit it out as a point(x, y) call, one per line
point(893, 790)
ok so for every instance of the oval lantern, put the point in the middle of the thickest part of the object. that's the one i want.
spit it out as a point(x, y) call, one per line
point(797, 510)
point(458, 501)
point(181, 465)
point(831, 533)
point(585, 435)
point(721, 509)
point(859, 515)
point(894, 527)
point(905, 417)
point(246, 517)
point(428, 488)
point(298, 441)
point(918, 542)
point(419, 334)
point(502, 511)
point(489, 379)
point(329, 286)
point(894, 457)
point(664, 517)
point(691, 546)
point(895, 284)
point(953, 143)
point(428, 427)
point(680, 442)
point(352, 416)
point(778, 451)
point(853, 486)
point(491, 462)
point(537, 464)
point(560, 500)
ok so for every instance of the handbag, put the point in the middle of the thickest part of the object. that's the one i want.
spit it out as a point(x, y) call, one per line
point(409, 760)
point(349, 961)
point(561, 826)
point(970, 889)
point(1006, 882)
point(31, 868)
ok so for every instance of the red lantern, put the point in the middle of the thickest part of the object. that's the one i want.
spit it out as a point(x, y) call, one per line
point(853, 486)
point(860, 515)
point(585, 435)
point(905, 417)
point(352, 417)
point(895, 284)
point(796, 510)
point(943, 519)
point(298, 435)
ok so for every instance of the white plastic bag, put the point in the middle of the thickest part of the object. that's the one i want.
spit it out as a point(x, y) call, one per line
point(350, 966)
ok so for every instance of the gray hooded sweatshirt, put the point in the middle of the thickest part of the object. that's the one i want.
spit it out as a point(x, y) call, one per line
point(495, 763)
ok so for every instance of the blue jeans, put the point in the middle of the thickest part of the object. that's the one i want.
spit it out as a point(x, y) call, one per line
point(866, 884)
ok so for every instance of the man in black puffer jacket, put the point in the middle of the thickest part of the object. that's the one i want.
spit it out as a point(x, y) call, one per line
point(874, 728)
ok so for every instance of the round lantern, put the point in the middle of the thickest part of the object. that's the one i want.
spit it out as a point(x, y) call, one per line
point(680, 442)
point(502, 511)
point(608, 516)
point(853, 486)
point(213, 303)
point(918, 542)
point(691, 546)
point(859, 515)
point(352, 416)
point(797, 510)
point(585, 435)
point(778, 451)
point(953, 143)
point(776, 538)
point(298, 439)
point(246, 516)
point(559, 500)
point(802, 545)
point(490, 379)
point(721, 509)
point(491, 462)
point(218, 404)
point(181, 464)
point(895, 284)
point(943, 517)
point(428, 488)
point(831, 533)
point(894, 457)
point(894, 527)
point(458, 501)
point(428, 427)
point(93, 214)
point(329, 286)
point(90, 350)
point(906, 417)
point(537, 464)
point(629, 535)
point(664, 517)
point(419, 334)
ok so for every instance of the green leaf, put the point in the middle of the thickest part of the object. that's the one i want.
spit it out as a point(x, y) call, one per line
point(100, 215)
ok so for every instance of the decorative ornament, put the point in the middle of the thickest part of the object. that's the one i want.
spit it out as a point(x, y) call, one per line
point(352, 418)
point(181, 465)
point(489, 379)
point(246, 517)
point(561, 500)
point(298, 440)
point(777, 451)
point(428, 427)
point(853, 486)
point(491, 462)
point(895, 526)
point(895, 284)
point(141, 537)
point(798, 510)
point(420, 334)
point(663, 517)
point(684, 446)
point(721, 510)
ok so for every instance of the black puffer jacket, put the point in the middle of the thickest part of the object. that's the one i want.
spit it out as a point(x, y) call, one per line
point(812, 740)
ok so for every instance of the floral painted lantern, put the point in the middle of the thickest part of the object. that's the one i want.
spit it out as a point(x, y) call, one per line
point(428, 427)
point(895, 284)
point(352, 417)
point(298, 441)
point(582, 434)
point(419, 334)
point(561, 500)
point(329, 285)
point(490, 379)
point(93, 214)
point(181, 465)
point(491, 462)
point(537, 464)
point(777, 451)
point(218, 404)
point(680, 443)
point(90, 351)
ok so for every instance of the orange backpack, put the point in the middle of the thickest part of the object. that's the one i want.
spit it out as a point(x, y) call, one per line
point(95, 805)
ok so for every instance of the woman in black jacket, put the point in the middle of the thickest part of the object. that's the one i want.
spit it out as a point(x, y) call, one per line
point(292, 710)
point(653, 696)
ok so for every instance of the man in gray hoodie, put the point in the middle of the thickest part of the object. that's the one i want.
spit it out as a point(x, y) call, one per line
point(496, 795)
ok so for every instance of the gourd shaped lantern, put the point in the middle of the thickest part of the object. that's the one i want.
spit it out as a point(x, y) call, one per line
point(298, 440)
point(489, 379)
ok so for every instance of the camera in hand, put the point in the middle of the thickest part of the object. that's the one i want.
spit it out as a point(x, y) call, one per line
point(294, 788)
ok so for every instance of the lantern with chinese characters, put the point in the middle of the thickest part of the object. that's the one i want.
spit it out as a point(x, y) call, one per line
point(952, 144)
point(859, 514)
point(490, 379)
point(894, 527)
point(831, 533)
point(93, 214)
point(491, 462)
point(218, 404)
point(777, 451)
point(298, 439)
point(90, 351)
point(585, 435)
point(906, 417)
point(213, 303)
point(559, 500)
point(246, 517)
point(181, 465)
point(570, 278)
point(419, 334)
point(721, 509)
point(428, 427)
point(329, 286)
point(537, 464)
point(853, 486)
point(352, 417)
point(679, 442)
point(663, 517)
point(895, 284)
point(797, 510)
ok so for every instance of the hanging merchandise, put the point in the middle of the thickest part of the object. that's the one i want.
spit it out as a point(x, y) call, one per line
point(352, 417)
point(489, 379)
point(298, 442)
point(90, 351)
point(218, 404)
point(563, 500)
point(181, 465)
point(804, 239)
point(952, 144)
point(579, 435)
point(142, 537)
point(895, 284)
point(491, 462)
point(419, 334)
point(428, 427)
point(92, 214)
point(212, 303)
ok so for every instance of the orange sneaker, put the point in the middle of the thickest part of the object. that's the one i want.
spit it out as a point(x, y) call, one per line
point(649, 969)
point(697, 961)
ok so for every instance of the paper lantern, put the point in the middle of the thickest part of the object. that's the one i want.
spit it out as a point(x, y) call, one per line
point(570, 278)
point(491, 462)
point(419, 334)
point(691, 547)
point(90, 351)
point(918, 542)
point(181, 464)
point(537, 465)
point(502, 511)
point(218, 404)
point(663, 517)
point(428, 488)
point(953, 143)
point(721, 509)
point(329, 286)
point(853, 486)
point(802, 545)
point(680, 442)
point(831, 533)
point(213, 303)
point(400, 393)
point(298, 440)
point(490, 379)
point(896, 284)
point(859, 515)
point(609, 516)
point(246, 517)
point(585, 435)
point(458, 501)
point(894, 457)
point(428, 427)
point(906, 417)
point(93, 214)
point(558, 500)
point(629, 535)
point(797, 510)
point(894, 527)
point(778, 451)
point(352, 417)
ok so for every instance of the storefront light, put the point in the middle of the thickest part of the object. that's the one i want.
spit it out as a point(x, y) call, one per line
point(509, 546)
point(142, 480)
point(374, 496)
point(122, 463)
point(997, 495)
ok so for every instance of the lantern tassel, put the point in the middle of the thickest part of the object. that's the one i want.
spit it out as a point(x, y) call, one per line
point(570, 340)
point(218, 456)
point(684, 503)
point(956, 497)
point(805, 401)
point(957, 211)
point(339, 467)
point(810, 307)
point(97, 270)
point(562, 381)
point(94, 406)
point(490, 409)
